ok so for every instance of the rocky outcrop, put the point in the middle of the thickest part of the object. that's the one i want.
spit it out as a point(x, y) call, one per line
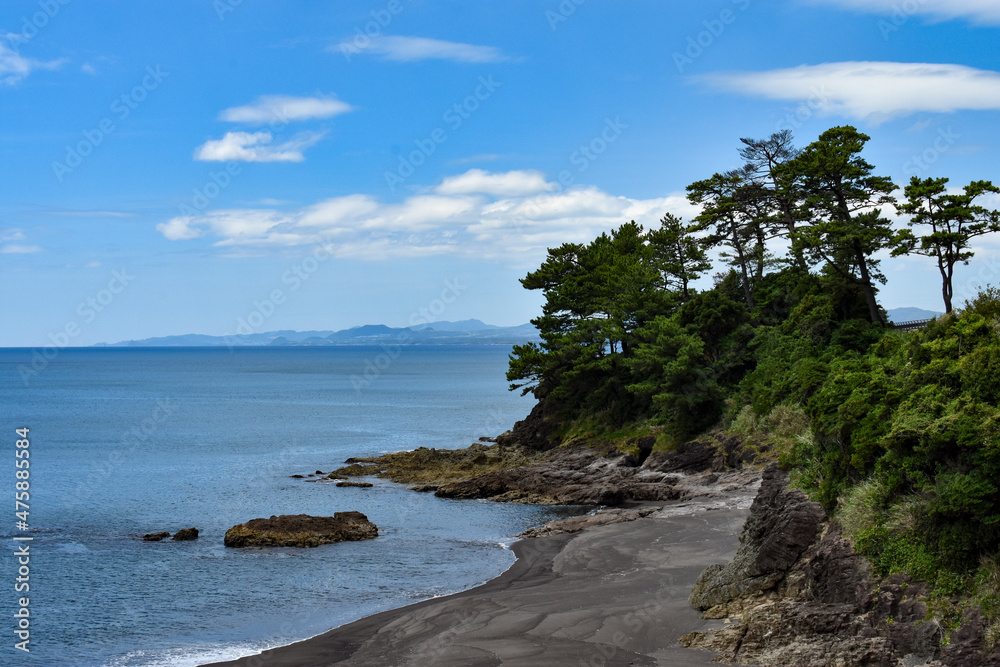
point(431, 468)
point(573, 474)
point(535, 432)
point(301, 530)
point(355, 485)
point(577, 474)
point(798, 594)
point(155, 537)
point(782, 524)
point(186, 534)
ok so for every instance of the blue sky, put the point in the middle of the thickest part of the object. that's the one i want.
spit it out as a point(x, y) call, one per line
point(174, 167)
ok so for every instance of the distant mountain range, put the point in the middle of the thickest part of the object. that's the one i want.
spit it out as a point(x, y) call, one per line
point(466, 332)
point(910, 314)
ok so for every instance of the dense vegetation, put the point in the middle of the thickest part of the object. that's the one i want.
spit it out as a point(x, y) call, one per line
point(903, 435)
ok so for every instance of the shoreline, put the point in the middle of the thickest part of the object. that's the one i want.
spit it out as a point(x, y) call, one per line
point(615, 593)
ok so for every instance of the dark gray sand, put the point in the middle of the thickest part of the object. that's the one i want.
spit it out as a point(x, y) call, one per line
point(610, 595)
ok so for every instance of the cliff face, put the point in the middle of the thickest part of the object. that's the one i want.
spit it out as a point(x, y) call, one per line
point(797, 594)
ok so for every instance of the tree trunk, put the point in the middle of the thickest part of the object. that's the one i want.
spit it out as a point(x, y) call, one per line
point(800, 259)
point(737, 246)
point(866, 281)
point(947, 288)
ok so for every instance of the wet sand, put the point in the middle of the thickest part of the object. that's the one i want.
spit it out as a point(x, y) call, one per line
point(609, 595)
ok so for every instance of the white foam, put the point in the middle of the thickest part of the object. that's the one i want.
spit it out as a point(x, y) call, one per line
point(189, 656)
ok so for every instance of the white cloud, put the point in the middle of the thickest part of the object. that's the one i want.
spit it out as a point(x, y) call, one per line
point(255, 147)
point(14, 66)
point(407, 49)
point(11, 235)
point(179, 229)
point(285, 109)
point(515, 228)
point(87, 68)
point(978, 11)
point(511, 183)
point(18, 249)
point(873, 91)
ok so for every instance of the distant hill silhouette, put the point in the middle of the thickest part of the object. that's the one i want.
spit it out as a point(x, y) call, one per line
point(910, 314)
point(466, 332)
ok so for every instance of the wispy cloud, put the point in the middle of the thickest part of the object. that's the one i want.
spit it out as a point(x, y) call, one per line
point(8, 248)
point(513, 217)
point(255, 147)
point(511, 183)
point(872, 91)
point(14, 67)
point(408, 49)
point(977, 11)
point(284, 108)
point(18, 249)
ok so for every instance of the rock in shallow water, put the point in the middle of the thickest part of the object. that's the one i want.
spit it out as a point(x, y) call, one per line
point(301, 530)
point(155, 537)
point(186, 534)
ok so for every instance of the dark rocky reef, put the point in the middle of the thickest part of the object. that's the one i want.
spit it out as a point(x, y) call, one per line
point(301, 530)
point(798, 594)
point(572, 474)
point(155, 537)
point(182, 535)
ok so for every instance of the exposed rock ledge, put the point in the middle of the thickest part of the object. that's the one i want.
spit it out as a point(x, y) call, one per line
point(797, 594)
point(301, 530)
point(573, 474)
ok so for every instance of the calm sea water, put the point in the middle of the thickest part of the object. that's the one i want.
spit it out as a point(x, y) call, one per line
point(130, 441)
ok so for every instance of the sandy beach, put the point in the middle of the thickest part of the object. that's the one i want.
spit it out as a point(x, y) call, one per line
point(609, 595)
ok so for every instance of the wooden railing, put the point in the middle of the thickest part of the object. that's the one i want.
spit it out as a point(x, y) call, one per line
point(911, 325)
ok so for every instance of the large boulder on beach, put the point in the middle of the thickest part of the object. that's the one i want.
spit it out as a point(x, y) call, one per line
point(301, 530)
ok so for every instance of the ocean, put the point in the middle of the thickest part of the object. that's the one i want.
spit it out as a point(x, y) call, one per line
point(127, 441)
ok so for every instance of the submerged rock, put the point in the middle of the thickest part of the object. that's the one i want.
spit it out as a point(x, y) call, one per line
point(301, 530)
point(155, 537)
point(357, 485)
point(186, 534)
